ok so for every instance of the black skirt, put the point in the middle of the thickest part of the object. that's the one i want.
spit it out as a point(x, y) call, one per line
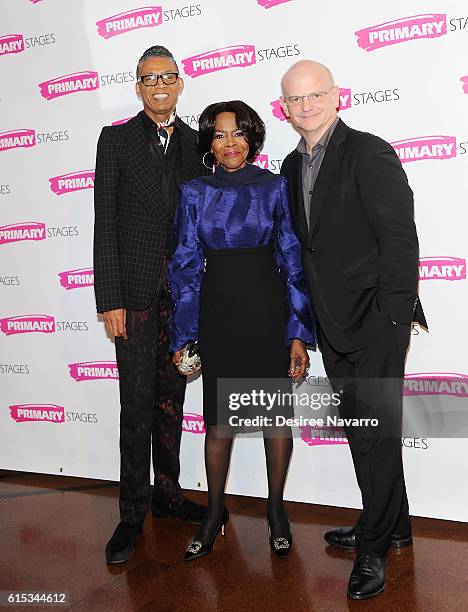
point(242, 325)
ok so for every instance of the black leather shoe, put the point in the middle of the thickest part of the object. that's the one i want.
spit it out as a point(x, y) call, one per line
point(188, 511)
point(122, 544)
point(345, 537)
point(367, 579)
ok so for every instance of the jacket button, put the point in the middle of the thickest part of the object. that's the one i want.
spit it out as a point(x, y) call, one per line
point(310, 250)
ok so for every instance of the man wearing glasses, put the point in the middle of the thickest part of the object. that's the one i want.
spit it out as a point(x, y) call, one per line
point(139, 167)
point(353, 212)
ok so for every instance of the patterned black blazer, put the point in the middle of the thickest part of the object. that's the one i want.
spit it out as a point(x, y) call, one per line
point(131, 227)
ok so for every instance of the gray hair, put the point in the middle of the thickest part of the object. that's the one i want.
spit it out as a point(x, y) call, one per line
point(155, 51)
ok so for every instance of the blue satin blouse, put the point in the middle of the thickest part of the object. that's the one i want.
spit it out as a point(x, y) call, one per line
point(245, 208)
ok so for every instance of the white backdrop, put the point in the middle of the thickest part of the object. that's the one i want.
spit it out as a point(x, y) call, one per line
point(67, 69)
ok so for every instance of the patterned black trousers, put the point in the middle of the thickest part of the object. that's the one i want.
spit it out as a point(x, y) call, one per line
point(151, 400)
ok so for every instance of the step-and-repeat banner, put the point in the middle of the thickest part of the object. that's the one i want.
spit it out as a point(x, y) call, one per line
point(68, 68)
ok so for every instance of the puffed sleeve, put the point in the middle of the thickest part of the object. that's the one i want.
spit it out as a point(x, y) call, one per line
point(301, 320)
point(185, 270)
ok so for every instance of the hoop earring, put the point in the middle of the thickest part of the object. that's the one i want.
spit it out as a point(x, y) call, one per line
point(203, 160)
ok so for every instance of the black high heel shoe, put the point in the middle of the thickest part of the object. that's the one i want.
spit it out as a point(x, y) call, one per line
point(280, 545)
point(197, 549)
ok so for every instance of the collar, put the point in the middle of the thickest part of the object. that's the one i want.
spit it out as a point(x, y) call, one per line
point(321, 144)
point(169, 122)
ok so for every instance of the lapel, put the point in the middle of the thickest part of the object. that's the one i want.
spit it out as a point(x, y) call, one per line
point(144, 167)
point(330, 163)
point(297, 199)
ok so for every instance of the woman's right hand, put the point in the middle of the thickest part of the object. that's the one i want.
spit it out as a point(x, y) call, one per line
point(176, 357)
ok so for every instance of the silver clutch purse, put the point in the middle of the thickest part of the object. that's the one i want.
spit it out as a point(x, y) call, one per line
point(190, 361)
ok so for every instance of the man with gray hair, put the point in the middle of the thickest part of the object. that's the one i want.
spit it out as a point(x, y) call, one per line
point(139, 167)
point(353, 213)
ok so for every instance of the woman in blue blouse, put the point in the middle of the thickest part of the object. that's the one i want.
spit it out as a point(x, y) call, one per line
point(237, 285)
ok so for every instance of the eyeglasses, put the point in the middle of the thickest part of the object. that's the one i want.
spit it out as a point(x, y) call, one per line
point(168, 78)
point(311, 97)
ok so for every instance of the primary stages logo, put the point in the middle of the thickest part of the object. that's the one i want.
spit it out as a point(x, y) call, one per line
point(121, 121)
point(269, 3)
point(436, 383)
point(11, 43)
point(69, 83)
point(146, 17)
point(237, 56)
point(425, 147)
point(442, 268)
point(17, 138)
point(464, 80)
point(317, 436)
point(263, 160)
point(74, 181)
point(402, 30)
point(193, 423)
point(26, 324)
point(22, 231)
point(75, 279)
point(50, 413)
point(94, 370)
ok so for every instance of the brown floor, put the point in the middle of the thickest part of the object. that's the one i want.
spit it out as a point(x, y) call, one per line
point(53, 530)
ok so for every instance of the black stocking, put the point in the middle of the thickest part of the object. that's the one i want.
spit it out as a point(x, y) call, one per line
point(278, 448)
point(218, 443)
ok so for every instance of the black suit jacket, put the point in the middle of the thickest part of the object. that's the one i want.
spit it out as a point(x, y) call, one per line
point(131, 226)
point(360, 253)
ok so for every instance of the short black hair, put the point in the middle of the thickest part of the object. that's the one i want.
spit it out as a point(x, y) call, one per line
point(155, 51)
point(247, 120)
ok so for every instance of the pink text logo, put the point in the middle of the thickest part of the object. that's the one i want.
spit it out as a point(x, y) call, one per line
point(75, 279)
point(94, 370)
point(277, 110)
point(26, 324)
point(269, 3)
point(436, 383)
point(37, 412)
point(74, 181)
point(425, 147)
point(239, 56)
point(442, 268)
point(121, 121)
point(317, 436)
point(17, 138)
point(22, 231)
point(11, 43)
point(464, 80)
point(345, 98)
point(68, 84)
point(261, 161)
point(146, 17)
point(401, 30)
point(193, 423)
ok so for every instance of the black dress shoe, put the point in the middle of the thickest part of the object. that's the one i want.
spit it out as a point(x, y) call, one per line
point(280, 545)
point(197, 549)
point(367, 579)
point(122, 544)
point(187, 510)
point(345, 537)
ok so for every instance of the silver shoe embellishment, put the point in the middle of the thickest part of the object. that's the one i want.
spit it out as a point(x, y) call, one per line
point(194, 547)
point(280, 543)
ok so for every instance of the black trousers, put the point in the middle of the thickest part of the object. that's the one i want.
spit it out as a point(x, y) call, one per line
point(371, 381)
point(151, 399)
